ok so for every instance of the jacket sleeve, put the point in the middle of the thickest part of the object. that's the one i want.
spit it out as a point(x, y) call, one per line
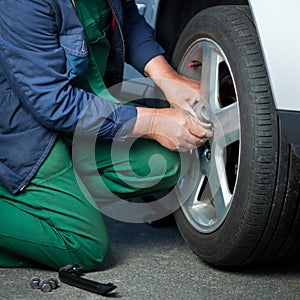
point(140, 45)
point(34, 64)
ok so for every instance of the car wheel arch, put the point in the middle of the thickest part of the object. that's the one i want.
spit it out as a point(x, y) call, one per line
point(167, 27)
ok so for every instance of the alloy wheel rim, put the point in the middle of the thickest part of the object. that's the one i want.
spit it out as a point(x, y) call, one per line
point(214, 168)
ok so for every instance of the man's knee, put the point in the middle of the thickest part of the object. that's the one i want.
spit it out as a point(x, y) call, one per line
point(92, 253)
point(177, 165)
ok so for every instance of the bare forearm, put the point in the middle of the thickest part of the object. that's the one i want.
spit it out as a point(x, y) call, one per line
point(172, 128)
point(159, 70)
point(144, 122)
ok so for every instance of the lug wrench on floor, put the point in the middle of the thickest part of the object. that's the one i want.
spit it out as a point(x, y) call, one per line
point(71, 274)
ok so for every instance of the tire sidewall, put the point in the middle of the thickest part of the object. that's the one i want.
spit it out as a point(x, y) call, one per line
point(224, 239)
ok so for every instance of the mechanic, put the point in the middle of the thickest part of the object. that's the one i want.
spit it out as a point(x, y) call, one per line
point(48, 80)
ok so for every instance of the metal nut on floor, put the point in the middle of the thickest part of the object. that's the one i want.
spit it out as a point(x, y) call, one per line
point(53, 282)
point(35, 283)
point(45, 286)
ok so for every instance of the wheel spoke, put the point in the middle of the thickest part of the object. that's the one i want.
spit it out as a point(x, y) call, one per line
point(218, 183)
point(227, 125)
point(188, 186)
point(209, 76)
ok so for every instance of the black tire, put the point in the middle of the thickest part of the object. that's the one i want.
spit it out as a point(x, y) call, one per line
point(263, 221)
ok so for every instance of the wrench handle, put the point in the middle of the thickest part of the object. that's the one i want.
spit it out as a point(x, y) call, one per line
point(86, 284)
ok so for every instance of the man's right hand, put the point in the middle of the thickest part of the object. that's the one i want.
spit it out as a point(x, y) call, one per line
point(174, 129)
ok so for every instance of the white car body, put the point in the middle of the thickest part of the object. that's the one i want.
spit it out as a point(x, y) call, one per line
point(277, 24)
point(277, 27)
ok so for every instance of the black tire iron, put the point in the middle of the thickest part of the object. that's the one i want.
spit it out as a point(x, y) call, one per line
point(71, 274)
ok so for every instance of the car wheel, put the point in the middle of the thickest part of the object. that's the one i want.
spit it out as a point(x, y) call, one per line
point(244, 207)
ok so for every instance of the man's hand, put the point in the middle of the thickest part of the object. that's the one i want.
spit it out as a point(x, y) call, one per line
point(175, 129)
point(180, 91)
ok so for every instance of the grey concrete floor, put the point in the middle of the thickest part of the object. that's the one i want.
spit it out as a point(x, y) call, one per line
point(155, 263)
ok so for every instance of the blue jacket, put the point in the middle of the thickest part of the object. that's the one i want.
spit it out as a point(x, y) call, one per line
point(41, 43)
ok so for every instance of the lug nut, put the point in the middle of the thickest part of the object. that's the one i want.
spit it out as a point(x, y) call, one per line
point(35, 283)
point(208, 155)
point(45, 286)
point(53, 282)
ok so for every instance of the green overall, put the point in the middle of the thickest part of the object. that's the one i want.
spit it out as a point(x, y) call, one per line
point(96, 17)
point(51, 222)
